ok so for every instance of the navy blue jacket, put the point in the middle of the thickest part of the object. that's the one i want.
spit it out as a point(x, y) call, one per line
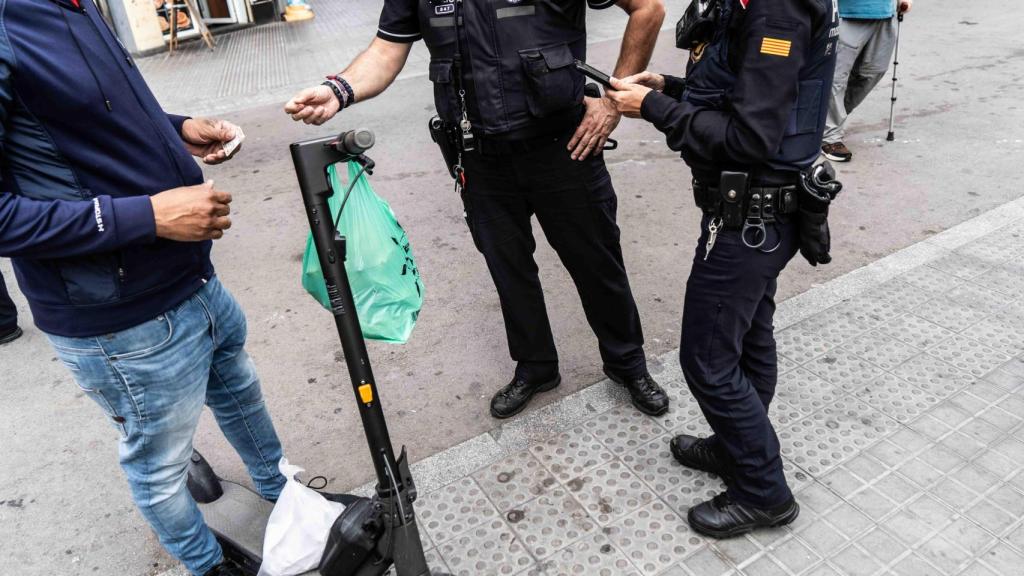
point(83, 145)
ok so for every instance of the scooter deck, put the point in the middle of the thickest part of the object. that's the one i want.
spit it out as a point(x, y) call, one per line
point(239, 519)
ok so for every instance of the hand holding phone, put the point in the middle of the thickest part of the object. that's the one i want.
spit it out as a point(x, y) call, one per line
point(594, 74)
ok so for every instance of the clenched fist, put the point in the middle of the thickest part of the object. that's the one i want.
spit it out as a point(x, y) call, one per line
point(192, 213)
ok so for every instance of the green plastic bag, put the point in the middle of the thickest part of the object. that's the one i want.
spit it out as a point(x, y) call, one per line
point(381, 269)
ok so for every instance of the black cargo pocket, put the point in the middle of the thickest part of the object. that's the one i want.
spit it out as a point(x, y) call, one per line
point(116, 420)
point(91, 279)
point(445, 98)
point(807, 113)
point(552, 82)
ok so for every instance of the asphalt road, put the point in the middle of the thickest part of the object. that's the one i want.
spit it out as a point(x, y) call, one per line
point(64, 506)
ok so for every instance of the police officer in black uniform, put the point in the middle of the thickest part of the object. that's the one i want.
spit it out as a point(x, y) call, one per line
point(747, 120)
point(528, 144)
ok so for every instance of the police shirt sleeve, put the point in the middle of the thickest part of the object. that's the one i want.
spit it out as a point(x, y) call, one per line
point(774, 35)
point(399, 21)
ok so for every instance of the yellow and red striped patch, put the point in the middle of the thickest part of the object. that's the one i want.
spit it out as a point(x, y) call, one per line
point(775, 47)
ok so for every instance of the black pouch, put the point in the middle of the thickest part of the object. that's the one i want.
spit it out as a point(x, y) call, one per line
point(697, 24)
point(733, 188)
point(446, 138)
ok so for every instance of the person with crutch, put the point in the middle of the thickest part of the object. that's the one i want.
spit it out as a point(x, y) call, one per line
point(867, 39)
point(9, 330)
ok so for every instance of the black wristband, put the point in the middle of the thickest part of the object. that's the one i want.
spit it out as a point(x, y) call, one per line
point(338, 93)
point(348, 88)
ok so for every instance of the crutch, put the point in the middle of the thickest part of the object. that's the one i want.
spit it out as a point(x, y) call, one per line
point(895, 63)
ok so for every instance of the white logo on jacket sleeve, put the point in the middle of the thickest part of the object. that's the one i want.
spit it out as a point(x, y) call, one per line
point(98, 211)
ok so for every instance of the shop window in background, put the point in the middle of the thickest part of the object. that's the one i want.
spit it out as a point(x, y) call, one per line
point(163, 10)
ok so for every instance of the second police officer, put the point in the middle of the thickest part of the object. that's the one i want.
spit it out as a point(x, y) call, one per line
point(522, 141)
point(747, 119)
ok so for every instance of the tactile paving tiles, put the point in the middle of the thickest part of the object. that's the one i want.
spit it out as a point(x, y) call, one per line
point(654, 465)
point(930, 279)
point(800, 345)
point(549, 522)
point(881, 350)
point(695, 487)
point(933, 375)
point(901, 295)
point(834, 434)
point(950, 314)
point(623, 429)
point(843, 370)
point(593, 555)
point(915, 331)
point(654, 537)
point(835, 324)
point(1002, 334)
point(968, 355)
point(514, 480)
point(960, 266)
point(571, 453)
point(896, 398)
point(980, 298)
point(491, 548)
point(454, 509)
point(803, 391)
point(1002, 280)
point(993, 249)
point(682, 407)
point(609, 492)
point(870, 310)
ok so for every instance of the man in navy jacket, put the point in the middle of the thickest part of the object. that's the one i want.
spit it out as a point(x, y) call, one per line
point(109, 224)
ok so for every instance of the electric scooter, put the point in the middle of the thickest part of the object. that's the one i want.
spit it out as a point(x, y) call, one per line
point(372, 534)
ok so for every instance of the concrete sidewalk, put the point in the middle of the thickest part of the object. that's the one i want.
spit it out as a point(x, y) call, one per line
point(901, 414)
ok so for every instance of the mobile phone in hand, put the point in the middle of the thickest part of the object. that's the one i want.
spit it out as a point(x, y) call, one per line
point(594, 74)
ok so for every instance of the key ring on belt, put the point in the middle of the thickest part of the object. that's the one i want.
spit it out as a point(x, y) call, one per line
point(753, 233)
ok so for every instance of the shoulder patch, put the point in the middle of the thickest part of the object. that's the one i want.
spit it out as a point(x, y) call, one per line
point(775, 47)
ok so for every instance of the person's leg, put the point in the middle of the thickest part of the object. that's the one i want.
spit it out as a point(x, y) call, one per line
point(234, 394)
point(576, 206)
point(852, 37)
point(498, 216)
point(150, 381)
point(874, 62)
point(724, 295)
point(8, 312)
point(760, 361)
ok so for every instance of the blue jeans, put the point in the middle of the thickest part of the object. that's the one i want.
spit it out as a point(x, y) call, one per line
point(151, 382)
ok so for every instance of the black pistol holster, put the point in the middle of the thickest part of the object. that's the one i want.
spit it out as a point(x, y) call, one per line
point(446, 137)
point(818, 188)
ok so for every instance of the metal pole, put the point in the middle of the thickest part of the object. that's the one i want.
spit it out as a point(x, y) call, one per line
point(895, 62)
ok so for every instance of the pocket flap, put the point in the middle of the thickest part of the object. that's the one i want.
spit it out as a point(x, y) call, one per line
point(558, 56)
point(441, 71)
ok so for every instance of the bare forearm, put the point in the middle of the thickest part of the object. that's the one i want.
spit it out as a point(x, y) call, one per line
point(376, 68)
point(645, 20)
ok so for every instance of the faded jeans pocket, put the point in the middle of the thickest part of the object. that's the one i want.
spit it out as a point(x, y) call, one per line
point(116, 419)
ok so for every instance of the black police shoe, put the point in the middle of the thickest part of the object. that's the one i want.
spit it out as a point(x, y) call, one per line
point(648, 396)
point(512, 399)
point(720, 517)
point(225, 568)
point(10, 335)
point(701, 454)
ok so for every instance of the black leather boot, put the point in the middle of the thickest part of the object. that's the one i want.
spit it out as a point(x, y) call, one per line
point(512, 399)
point(225, 568)
point(10, 335)
point(720, 517)
point(648, 396)
point(701, 454)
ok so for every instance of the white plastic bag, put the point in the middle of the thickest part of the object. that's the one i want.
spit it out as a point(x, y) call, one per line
point(298, 527)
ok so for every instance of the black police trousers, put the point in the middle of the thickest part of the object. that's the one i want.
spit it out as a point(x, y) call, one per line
point(575, 204)
point(8, 313)
point(728, 353)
